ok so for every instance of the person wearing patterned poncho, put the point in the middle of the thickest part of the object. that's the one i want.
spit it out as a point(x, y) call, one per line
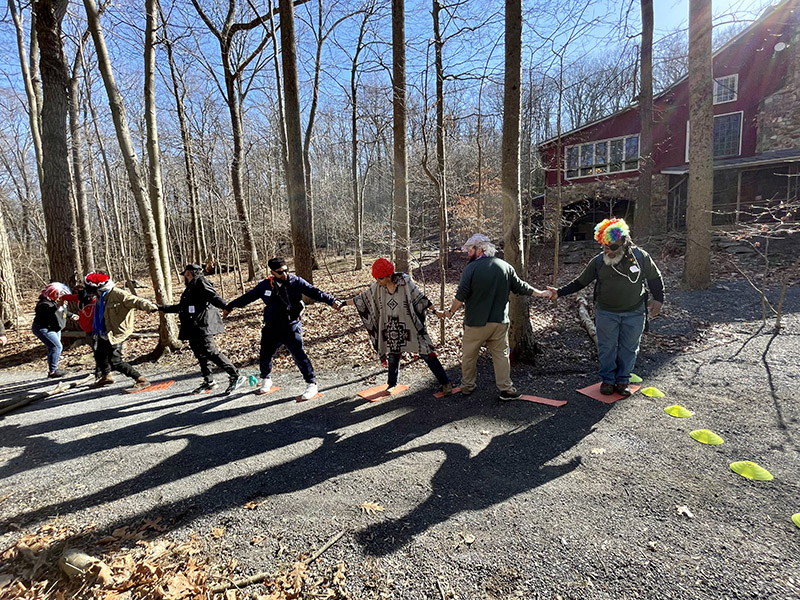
point(393, 311)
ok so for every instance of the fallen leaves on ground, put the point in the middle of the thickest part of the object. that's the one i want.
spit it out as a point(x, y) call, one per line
point(159, 569)
point(371, 508)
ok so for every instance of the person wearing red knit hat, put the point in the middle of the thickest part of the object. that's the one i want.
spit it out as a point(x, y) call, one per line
point(393, 311)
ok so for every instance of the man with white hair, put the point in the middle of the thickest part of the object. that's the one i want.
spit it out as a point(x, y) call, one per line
point(483, 291)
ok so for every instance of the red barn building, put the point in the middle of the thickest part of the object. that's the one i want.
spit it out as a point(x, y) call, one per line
point(756, 138)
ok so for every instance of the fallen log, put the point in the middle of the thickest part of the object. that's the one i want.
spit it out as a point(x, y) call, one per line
point(586, 319)
point(20, 401)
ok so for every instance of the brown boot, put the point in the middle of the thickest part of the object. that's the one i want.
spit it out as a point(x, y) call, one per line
point(140, 384)
point(103, 380)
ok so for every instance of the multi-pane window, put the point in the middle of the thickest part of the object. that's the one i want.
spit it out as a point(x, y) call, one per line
point(727, 134)
point(605, 156)
point(726, 89)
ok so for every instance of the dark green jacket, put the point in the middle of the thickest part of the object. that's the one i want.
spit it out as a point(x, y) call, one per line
point(620, 288)
point(484, 288)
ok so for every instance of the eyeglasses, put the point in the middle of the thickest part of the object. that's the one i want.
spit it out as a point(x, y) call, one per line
point(279, 271)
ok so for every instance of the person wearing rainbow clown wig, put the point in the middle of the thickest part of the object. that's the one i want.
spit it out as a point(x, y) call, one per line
point(620, 273)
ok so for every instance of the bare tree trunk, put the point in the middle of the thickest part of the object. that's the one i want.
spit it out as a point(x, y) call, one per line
point(295, 177)
point(520, 332)
point(441, 175)
point(9, 307)
point(55, 164)
point(33, 102)
point(357, 227)
point(642, 219)
point(402, 227)
point(155, 189)
point(122, 253)
point(85, 238)
point(697, 269)
point(312, 113)
point(149, 235)
point(188, 154)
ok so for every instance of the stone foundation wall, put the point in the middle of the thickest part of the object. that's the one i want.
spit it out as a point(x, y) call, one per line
point(779, 114)
point(617, 189)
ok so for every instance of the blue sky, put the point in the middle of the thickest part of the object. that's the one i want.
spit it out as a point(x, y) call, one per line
point(669, 14)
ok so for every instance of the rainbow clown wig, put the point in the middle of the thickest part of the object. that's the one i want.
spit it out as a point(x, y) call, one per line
point(611, 231)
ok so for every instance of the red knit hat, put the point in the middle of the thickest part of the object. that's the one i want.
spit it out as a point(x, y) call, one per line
point(382, 268)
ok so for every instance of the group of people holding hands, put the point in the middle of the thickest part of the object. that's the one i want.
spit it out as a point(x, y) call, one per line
point(393, 310)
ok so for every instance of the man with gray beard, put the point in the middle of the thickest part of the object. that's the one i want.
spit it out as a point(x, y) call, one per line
point(620, 272)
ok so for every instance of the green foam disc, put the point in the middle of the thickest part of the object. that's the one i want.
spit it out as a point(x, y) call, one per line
point(676, 410)
point(796, 519)
point(635, 378)
point(652, 392)
point(751, 470)
point(706, 436)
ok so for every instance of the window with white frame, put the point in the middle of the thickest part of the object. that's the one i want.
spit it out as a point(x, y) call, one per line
point(726, 89)
point(727, 135)
point(604, 156)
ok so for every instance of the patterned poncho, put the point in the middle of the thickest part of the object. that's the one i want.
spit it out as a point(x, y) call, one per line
point(395, 322)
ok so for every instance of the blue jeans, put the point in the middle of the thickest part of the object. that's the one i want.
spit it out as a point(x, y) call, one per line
point(291, 336)
point(618, 337)
point(52, 340)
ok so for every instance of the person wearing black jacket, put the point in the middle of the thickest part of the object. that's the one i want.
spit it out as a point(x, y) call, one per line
point(200, 322)
point(49, 319)
point(282, 295)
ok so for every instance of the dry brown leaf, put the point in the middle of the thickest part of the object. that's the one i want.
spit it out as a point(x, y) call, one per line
point(154, 524)
point(253, 504)
point(371, 508)
point(6, 497)
point(102, 572)
point(297, 576)
point(256, 540)
point(217, 532)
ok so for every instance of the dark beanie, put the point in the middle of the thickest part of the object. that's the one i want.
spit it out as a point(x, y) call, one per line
point(195, 269)
point(276, 263)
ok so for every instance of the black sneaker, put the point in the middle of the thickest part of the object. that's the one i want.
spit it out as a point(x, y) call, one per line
point(511, 394)
point(206, 386)
point(56, 374)
point(606, 388)
point(233, 384)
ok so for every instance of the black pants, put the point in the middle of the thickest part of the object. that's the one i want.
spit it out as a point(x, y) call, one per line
point(108, 357)
point(291, 336)
point(434, 364)
point(206, 350)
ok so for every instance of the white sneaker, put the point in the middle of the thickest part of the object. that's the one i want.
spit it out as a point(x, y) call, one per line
point(311, 391)
point(266, 385)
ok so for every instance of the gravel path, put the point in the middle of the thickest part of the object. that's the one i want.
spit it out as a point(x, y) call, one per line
point(482, 499)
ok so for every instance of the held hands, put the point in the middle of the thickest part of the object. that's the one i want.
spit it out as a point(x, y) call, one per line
point(654, 308)
point(552, 293)
point(75, 317)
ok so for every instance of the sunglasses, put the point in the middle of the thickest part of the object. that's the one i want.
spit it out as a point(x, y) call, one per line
point(279, 271)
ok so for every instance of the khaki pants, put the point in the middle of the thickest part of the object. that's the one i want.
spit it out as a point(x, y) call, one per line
point(495, 337)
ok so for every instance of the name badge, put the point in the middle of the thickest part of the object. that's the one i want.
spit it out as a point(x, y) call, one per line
point(634, 269)
point(191, 310)
point(268, 293)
